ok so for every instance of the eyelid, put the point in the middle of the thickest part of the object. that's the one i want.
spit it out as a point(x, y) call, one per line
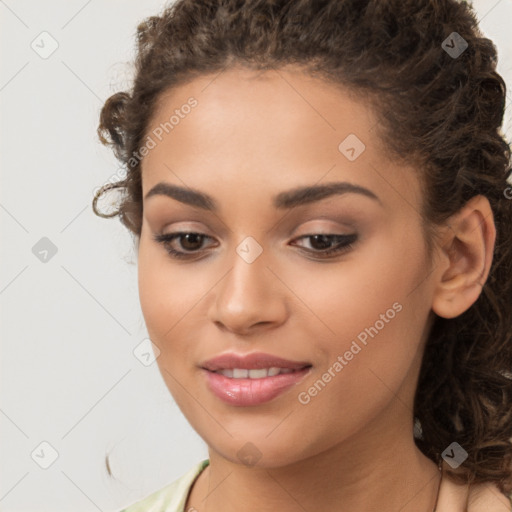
point(327, 227)
point(310, 227)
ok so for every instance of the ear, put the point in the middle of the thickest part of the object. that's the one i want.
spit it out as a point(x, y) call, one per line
point(466, 252)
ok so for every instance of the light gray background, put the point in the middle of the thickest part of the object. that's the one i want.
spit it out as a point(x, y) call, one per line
point(69, 325)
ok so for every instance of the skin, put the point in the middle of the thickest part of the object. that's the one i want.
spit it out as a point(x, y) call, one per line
point(251, 136)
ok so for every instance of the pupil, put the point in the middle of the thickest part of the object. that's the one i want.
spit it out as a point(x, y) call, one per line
point(194, 236)
point(321, 238)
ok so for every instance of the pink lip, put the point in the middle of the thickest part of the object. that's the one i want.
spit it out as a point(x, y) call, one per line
point(247, 392)
point(255, 360)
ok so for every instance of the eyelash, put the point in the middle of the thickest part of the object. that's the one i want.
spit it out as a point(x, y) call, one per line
point(343, 247)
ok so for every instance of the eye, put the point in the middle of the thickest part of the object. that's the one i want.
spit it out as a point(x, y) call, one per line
point(190, 241)
point(324, 243)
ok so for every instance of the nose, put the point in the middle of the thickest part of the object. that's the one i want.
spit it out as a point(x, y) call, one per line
point(249, 298)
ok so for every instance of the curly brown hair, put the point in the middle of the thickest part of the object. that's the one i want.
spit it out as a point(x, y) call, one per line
point(440, 111)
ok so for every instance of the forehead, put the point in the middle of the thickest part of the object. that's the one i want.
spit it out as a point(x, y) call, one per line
point(239, 103)
point(277, 128)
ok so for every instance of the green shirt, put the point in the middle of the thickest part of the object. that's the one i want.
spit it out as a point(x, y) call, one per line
point(171, 498)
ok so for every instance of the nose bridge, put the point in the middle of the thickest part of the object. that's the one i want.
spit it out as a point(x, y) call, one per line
point(246, 283)
point(248, 295)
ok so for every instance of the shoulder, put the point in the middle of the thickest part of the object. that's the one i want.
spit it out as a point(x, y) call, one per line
point(172, 497)
point(488, 498)
point(483, 497)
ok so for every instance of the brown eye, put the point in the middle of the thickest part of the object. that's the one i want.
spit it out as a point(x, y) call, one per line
point(189, 241)
point(322, 245)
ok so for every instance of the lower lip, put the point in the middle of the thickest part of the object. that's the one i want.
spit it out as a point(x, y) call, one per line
point(246, 392)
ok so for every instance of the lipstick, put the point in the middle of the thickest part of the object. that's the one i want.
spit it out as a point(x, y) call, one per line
point(252, 379)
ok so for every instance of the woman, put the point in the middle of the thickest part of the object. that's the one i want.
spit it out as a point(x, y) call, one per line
point(318, 196)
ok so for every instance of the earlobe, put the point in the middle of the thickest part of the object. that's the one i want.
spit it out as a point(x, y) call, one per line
point(466, 256)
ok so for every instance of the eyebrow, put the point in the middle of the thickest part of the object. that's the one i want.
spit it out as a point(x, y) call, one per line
point(284, 200)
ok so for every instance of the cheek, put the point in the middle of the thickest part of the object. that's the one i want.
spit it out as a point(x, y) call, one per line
point(172, 300)
point(166, 294)
point(367, 288)
point(165, 301)
point(370, 318)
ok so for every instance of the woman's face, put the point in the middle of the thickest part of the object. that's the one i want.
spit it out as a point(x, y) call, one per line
point(256, 281)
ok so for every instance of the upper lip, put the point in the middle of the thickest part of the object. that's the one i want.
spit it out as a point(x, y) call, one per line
point(253, 361)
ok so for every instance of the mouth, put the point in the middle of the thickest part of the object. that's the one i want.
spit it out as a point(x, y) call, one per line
point(244, 380)
point(256, 373)
point(243, 387)
point(239, 363)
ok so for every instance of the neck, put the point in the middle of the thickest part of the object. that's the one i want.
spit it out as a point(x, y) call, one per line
point(379, 469)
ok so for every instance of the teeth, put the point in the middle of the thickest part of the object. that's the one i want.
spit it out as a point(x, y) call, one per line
point(241, 373)
point(273, 371)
